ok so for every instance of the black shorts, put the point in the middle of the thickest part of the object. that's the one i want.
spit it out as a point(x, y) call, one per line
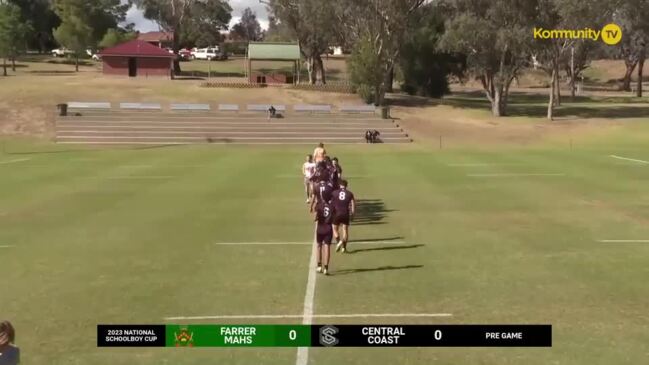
point(324, 238)
point(341, 219)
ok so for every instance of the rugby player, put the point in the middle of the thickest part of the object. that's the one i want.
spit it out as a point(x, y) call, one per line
point(321, 193)
point(9, 353)
point(336, 172)
point(324, 231)
point(308, 169)
point(344, 206)
point(319, 153)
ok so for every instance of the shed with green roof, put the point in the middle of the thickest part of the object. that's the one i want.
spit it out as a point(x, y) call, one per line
point(272, 55)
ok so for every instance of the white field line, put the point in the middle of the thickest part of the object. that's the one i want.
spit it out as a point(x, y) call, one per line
point(302, 357)
point(300, 177)
point(623, 241)
point(396, 242)
point(512, 175)
point(289, 316)
point(14, 161)
point(131, 177)
point(6, 246)
point(480, 164)
point(630, 159)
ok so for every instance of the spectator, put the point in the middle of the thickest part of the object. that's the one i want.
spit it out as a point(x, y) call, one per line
point(271, 112)
point(9, 353)
point(368, 136)
point(375, 136)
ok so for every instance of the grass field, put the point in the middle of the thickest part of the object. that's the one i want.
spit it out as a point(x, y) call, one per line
point(489, 235)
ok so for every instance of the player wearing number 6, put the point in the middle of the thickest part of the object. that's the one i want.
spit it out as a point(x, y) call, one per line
point(344, 207)
point(323, 216)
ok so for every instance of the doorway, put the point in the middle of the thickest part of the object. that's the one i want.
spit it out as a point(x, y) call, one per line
point(132, 67)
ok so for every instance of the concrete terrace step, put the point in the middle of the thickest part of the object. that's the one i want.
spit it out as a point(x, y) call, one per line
point(169, 128)
point(233, 140)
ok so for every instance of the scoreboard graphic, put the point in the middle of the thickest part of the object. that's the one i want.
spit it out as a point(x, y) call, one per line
point(389, 335)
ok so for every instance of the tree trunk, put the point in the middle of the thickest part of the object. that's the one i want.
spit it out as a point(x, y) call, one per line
point(557, 82)
point(4, 66)
point(638, 91)
point(626, 81)
point(176, 47)
point(13, 64)
point(319, 70)
point(76, 63)
point(390, 79)
point(310, 69)
point(550, 115)
point(497, 103)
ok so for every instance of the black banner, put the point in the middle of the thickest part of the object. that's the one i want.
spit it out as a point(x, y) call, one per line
point(432, 335)
point(130, 335)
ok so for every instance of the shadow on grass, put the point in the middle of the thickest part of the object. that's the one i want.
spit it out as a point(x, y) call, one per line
point(398, 238)
point(535, 105)
point(370, 212)
point(384, 248)
point(381, 268)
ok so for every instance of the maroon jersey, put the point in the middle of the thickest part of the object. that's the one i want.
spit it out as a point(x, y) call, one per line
point(323, 191)
point(341, 200)
point(324, 216)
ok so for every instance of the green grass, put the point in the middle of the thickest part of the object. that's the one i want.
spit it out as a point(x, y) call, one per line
point(91, 248)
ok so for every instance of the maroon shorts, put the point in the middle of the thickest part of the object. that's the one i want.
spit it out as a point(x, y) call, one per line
point(324, 238)
point(339, 219)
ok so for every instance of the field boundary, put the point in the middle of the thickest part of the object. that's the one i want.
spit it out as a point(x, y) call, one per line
point(297, 316)
point(629, 159)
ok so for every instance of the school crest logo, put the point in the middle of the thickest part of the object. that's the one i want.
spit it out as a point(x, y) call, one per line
point(184, 338)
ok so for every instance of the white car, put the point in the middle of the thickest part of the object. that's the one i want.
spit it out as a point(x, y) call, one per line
point(206, 54)
point(61, 52)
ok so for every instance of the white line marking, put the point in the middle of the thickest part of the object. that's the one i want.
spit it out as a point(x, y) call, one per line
point(623, 241)
point(288, 316)
point(14, 161)
point(396, 242)
point(131, 177)
point(6, 246)
point(479, 164)
point(302, 357)
point(629, 159)
point(512, 175)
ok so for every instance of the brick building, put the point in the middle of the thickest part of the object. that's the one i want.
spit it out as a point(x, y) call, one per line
point(137, 58)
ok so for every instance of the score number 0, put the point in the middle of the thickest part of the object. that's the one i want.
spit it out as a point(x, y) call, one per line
point(437, 335)
point(292, 335)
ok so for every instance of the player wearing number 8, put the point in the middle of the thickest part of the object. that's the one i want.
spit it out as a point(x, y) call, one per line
point(344, 206)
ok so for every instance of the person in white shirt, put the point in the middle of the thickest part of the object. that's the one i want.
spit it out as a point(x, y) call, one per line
point(319, 153)
point(308, 169)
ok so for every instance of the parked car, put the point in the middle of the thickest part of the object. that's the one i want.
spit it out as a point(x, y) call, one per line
point(61, 52)
point(185, 54)
point(209, 53)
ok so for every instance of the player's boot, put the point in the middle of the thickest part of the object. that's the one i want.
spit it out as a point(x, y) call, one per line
point(343, 250)
point(339, 246)
point(319, 269)
point(325, 271)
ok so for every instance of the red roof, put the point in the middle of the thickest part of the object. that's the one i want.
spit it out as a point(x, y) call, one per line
point(156, 36)
point(136, 48)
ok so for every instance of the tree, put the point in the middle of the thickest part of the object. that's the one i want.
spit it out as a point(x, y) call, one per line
point(187, 17)
point(424, 67)
point(114, 37)
point(13, 33)
point(382, 22)
point(365, 70)
point(313, 23)
point(75, 32)
point(494, 36)
point(631, 15)
point(105, 15)
point(278, 31)
point(248, 28)
point(40, 14)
